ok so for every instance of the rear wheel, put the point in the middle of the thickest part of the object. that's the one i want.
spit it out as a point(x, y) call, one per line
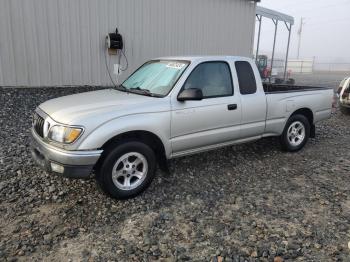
point(296, 133)
point(127, 170)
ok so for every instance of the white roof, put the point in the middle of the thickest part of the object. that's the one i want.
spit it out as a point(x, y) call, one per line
point(274, 15)
point(204, 58)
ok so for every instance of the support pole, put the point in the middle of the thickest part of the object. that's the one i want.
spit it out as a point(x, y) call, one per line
point(287, 55)
point(259, 33)
point(300, 34)
point(274, 45)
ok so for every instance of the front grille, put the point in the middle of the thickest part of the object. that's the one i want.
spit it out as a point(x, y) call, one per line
point(38, 124)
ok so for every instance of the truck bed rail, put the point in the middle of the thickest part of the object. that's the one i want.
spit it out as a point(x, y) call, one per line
point(277, 88)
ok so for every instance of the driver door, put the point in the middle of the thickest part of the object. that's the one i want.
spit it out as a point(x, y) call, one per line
point(200, 125)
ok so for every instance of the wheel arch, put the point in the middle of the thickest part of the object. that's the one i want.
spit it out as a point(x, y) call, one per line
point(146, 137)
point(307, 112)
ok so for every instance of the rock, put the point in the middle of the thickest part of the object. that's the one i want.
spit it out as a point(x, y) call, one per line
point(293, 246)
point(52, 189)
point(47, 239)
point(254, 253)
point(265, 253)
point(278, 259)
point(146, 240)
point(317, 246)
point(85, 253)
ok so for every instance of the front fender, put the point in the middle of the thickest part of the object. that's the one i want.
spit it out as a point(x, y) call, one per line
point(156, 123)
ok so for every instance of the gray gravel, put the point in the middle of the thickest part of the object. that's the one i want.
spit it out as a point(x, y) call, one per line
point(242, 203)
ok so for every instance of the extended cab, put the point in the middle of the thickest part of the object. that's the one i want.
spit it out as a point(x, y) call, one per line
point(170, 107)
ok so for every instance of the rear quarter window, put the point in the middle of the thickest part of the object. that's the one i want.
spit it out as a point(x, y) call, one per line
point(246, 78)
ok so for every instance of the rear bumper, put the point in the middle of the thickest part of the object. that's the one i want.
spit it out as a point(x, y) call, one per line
point(72, 164)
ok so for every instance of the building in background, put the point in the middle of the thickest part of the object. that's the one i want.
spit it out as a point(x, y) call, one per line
point(62, 42)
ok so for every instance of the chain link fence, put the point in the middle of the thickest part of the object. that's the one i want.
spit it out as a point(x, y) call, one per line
point(332, 67)
point(309, 66)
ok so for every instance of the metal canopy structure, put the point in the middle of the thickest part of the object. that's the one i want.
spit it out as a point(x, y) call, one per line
point(262, 11)
point(275, 17)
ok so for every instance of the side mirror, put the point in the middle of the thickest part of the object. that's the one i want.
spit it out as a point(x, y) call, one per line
point(191, 94)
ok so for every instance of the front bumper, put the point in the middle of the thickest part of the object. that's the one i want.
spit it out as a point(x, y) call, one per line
point(72, 164)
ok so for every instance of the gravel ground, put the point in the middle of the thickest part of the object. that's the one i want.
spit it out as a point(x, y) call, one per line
point(243, 203)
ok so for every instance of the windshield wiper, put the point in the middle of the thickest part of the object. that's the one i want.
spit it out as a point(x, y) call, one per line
point(142, 91)
point(121, 88)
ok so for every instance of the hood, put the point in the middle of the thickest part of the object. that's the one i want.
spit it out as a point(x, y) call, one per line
point(100, 106)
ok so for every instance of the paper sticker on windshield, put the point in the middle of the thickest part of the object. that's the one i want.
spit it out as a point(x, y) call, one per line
point(175, 65)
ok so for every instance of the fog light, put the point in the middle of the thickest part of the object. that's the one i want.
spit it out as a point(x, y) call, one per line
point(57, 168)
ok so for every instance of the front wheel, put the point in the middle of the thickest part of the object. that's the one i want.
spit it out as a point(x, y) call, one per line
point(296, 133)
point(127, 170)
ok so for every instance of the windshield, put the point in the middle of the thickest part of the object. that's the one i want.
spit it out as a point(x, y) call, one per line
point(156, 77)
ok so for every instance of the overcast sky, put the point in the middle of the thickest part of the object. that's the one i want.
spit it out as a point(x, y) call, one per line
point(325, 35)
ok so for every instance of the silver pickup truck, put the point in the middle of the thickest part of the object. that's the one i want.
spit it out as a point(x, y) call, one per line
point(170, 107)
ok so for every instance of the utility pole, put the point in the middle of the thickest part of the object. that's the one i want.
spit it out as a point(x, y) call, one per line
point(302, 23)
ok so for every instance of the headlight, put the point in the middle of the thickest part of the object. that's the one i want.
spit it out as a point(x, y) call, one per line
point(64, 134)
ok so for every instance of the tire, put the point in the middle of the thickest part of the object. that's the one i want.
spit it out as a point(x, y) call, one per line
point(295, 140)
point(127, 170)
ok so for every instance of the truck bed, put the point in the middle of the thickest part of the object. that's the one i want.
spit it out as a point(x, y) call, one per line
point(277, 88)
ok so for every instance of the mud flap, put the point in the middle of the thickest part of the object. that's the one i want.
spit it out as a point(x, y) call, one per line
point(313, 131)
point(163, 164)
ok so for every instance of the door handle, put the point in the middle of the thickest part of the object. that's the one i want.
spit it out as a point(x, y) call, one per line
point(232, 107)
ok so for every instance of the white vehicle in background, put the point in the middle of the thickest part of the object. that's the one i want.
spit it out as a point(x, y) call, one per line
point(344, 95)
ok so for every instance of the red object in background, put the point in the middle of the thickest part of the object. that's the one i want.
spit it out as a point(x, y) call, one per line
point(266, 72)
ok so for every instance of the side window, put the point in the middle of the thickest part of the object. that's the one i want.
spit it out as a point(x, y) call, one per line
point(213, 78)
point(246, 78)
